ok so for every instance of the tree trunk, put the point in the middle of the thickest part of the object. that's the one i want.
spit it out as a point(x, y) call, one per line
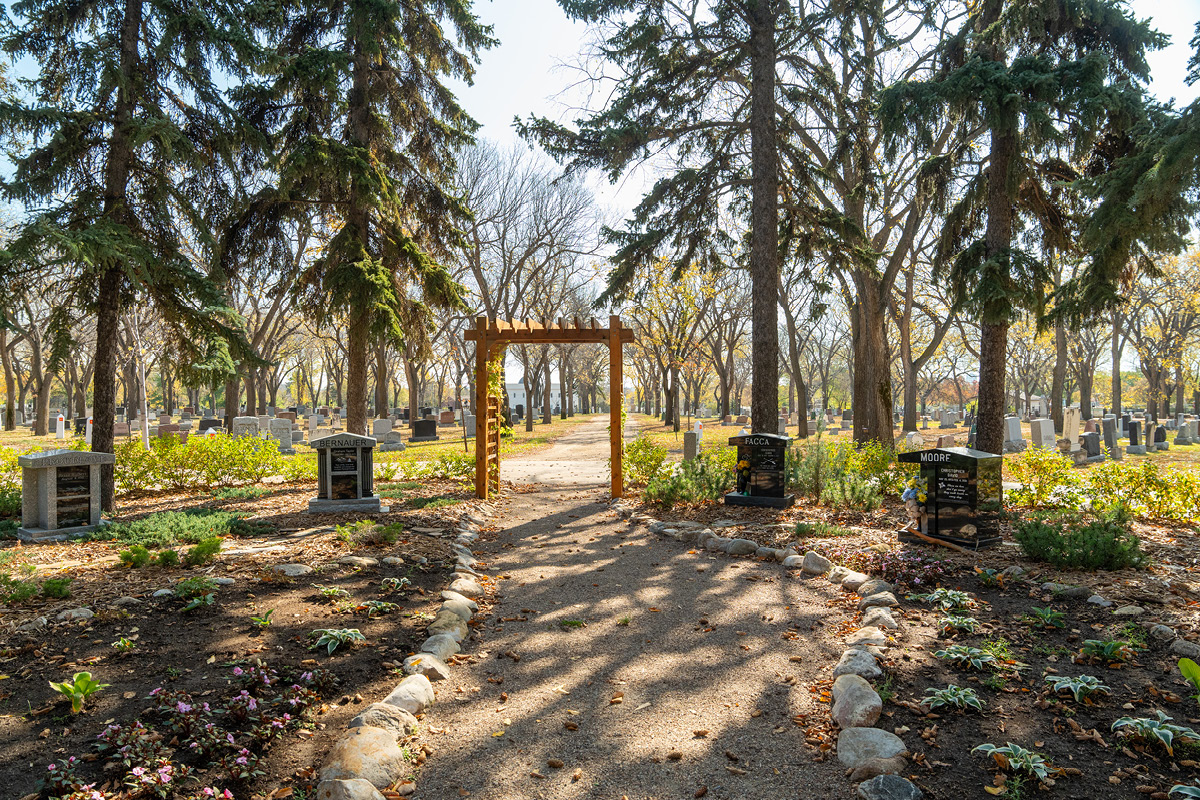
point(10, 404)
point(357, 336)
point(1060, 377)
point(547, 410)
point(872, 392)
point(1116, 364)
point(251, 395)
point(232, 390)
point(563, 386)
point(764, 221)
point(381, 381)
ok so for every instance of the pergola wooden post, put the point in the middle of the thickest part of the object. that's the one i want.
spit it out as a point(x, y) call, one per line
point(491, 337)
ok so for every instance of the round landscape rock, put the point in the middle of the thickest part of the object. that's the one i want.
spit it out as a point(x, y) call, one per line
point(75, 613)
point(387, 717)
point(356, 789)
point(358, 561)
point(814, 563)
point(740, 547)
point(1182, 647)
point(888, 787)
point(869, 635)
point(793, 562)
point(449, 595)
point(879, 617)
point(368, 753)
point(414, 695)
point(854, 580)
point(1129, 611)
point(855, 703)
point(857, 746)
point(467, 588)
point(880, 599)
point(857, 661)
point(292, 570)
point(874, 586)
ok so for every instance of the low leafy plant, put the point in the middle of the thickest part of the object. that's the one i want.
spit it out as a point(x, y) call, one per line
point(1047, 478)
point(264, 621)
point(203, 552)
point(78, 689)
point(166, 557)
point(946, 599)
point(58, 588)
point(820, 530)
point(390, 585)
point(991, 578)
point(331, 593)
point(1081, 687)
point(135, 557)
point(703, 479)
point(957, 696)
point(171, 528)
point(1045, 618)
point(951, 625)
point(240, 493)
point(123, 645)
point(643, 460)
point(333, 638)
point(18, 589)
point(572, 623)
point(1158, 730)
point(852, 491)
point(376, 608)
point(199, 591)
point(1069, 542)
point(440, 501)
point(1110, 651)
point(966, 657)
point(1191, 792)
point(1191, 673)
point(1015, 758)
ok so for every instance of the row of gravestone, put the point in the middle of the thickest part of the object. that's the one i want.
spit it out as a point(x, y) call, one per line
point(1100, 439)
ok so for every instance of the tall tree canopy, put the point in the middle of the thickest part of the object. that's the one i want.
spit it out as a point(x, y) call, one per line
point(1040, 77)
point(365, 132)
point(124, 122)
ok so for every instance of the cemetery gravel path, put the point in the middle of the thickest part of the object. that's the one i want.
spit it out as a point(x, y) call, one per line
point(606, 650)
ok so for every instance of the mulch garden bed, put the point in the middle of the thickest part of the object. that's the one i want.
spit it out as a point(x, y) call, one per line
point(1019, 706)
point(197, 652)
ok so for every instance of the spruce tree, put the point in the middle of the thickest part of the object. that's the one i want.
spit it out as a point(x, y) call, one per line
point(365, 132)
point(702, 84)
point(1036, 77)
point(121, 122)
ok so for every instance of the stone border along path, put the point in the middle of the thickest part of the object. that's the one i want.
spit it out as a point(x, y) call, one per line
point(872, 756)
point(368, 758)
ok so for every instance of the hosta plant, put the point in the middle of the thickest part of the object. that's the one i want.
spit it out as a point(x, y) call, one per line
point(957, 696)
point(946, 599)
point(333, 638)
point(1191, 672)
point(1046, 618)
point(991, 578)
point(1191, 792)
point(951, 625)
point(389, 585)
point(331, 593)
point(1154, 730)
point(1110, 651)
point(79, 688)
point(1014, 758)
point(375, 608)
point(1081, 688)
point(966, 657)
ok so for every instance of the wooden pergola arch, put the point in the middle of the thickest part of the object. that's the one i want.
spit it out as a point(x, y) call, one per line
point(492, 336)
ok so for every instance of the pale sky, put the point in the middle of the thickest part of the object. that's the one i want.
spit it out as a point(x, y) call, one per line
point(525, 73)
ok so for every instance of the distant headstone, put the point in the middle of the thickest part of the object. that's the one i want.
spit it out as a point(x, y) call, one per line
point(1136, 447)
point(469, 424)
point(783, 423)
point(60, 427)
point(1091, 446)
point(1111, 443)
point(424, 430)
point(743, 419)
point(1160, 438)
point(948, 420)
point(691, 445)
point(245, 426)
point(1014, 442)
point(281, 432)
point(914, 440)
point(121, 429)
point(946, 440)
point(87, 434)
point(60, 493)
point(1042, 433)
point(1071, 417)
point(203, 425)
point(446, 419)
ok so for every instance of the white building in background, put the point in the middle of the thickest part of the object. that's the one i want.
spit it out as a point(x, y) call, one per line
point(516, 397)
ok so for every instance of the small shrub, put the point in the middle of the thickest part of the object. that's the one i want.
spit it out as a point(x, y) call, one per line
point(15, 590)
point(203, 552)
point(852, 491)
point(169, 528)
point(248, 528)
point(644, 460)
point(951, 625)
point(58, 588)
point(1101, 543)
point(190, 588)
point(441, 501)
point(946, 599)
point(957, 696)
point(135, 557)
point(166, 558)
point(1047, 479)
point(703, 479)
point(240, 493)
